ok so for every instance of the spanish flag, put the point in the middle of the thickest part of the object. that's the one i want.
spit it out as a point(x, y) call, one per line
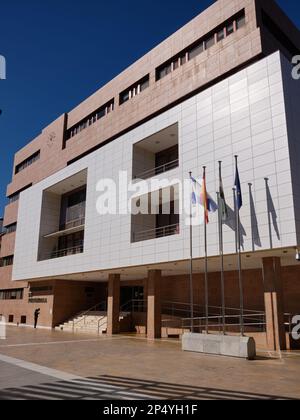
point(204, 198)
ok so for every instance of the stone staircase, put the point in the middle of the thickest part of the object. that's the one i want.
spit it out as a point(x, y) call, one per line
point(92, 323)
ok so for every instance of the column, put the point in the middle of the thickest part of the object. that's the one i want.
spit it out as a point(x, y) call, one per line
point(154, 305)
point(274, 306)
point(113, 304)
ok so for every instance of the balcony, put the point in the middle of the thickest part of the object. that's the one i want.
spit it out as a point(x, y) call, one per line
point(157, 154)
point(155, 215)
point(150, 173)
point(156, 233)
point(60, 253)
point(62, 224)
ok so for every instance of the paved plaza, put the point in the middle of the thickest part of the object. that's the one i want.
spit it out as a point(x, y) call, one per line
point(38, 364)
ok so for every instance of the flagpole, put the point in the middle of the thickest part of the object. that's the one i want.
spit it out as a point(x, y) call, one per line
point(206, 256)
point(238, 230)
point(221, 253)
point(191, 264)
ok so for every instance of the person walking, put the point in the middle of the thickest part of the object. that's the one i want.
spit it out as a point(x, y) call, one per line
point(36, 317)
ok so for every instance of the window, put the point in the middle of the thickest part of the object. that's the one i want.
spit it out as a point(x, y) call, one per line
point(42, 289)
point(73, 209)
point(23, 319)
point(11, 228)
point(28, 162)
point(7, 261)
point(135, 89)
point(11, 294)
point(218, 34)
point(209, 42)
point(240, 22)
point(91, 119)
point(10, 319)
point(221, 35)
point(230, 28)
point(198, 49)
point(15, 196)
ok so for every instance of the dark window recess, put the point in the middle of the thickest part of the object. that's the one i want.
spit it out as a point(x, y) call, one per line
point(7, 261)
point(279, 35)
point(15, 197)
point(69, 245)
point(11, 294)
point(41, 289)
point(28, 162)
point(165, 220)
point(23, 319)
point(10, 228)
point(216, 35)
point(10, 319)
point(135, 89)
point(166, 157)
point(73, 209)
point(90, 119)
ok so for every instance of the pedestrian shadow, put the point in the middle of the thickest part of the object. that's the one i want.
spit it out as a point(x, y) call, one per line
point(122, 388)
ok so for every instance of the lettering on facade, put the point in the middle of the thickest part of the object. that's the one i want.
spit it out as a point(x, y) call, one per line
point(296, 68)
point(37, 300)
point(296, 329)
point(2, 68)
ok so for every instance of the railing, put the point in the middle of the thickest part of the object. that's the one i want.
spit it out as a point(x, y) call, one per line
point(74, 223)
point(66, 252)
point(183, 310)
point(254, 322)
point(135, 306)
point(158, 170)
point(156, 233)
point(96, 308)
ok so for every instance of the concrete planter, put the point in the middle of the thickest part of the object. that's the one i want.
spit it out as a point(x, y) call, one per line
point(222, 345)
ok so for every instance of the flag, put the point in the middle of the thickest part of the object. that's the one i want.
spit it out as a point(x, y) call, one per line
point(204, 198)
point(237, 183)
point(222, 201)
point(199, 193)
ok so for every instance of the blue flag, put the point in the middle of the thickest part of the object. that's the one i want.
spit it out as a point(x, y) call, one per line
point(239, 197)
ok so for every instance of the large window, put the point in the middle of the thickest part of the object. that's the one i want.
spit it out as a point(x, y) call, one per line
point(218, 34)
point(7, 261)
point(91, 119)
point(15, 196)
point(28, 162)
point(135, 89)
point(73, 209)
point(11, 228)
point(11, 294)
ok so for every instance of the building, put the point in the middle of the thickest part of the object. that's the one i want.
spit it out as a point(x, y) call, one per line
point(222, 85)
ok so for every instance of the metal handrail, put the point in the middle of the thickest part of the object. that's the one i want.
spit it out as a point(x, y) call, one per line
point(201, 308)
point(158, 170)
point(204, 322)
point(74, 223)
point(135, 305)
point(156, 233)
point(67, 252)
point(87, 313)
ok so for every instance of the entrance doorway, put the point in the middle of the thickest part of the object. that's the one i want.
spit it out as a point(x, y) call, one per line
point(129, 294)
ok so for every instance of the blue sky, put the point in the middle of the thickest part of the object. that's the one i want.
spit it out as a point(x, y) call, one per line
point(60, 51)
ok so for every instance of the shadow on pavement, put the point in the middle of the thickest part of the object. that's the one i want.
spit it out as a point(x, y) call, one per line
point(119, 388)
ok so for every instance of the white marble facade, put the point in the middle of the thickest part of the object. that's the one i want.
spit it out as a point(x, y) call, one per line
point(245, 114)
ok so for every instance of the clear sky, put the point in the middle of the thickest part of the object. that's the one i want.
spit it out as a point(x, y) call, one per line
point(59, 52)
